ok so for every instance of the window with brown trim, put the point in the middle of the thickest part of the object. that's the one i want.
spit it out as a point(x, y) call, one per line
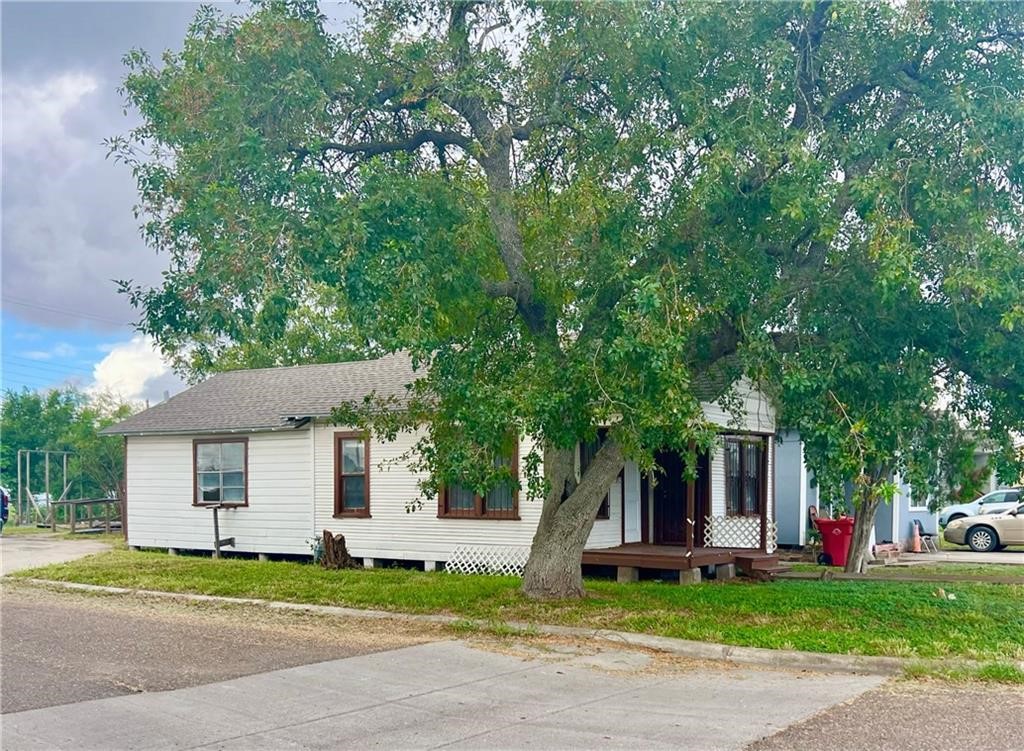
point(588, 450)
point(351, 474)
point(744, 476)
point(220, 471)
point(500, 502)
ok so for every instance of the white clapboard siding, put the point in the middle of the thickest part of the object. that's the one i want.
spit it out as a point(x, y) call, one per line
point(394, 532)
point(607, 533)
point(279, 516)
point(756, 412)
point(633, 514)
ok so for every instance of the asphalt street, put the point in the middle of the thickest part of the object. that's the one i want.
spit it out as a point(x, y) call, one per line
point(59, 649)
point(913, 717)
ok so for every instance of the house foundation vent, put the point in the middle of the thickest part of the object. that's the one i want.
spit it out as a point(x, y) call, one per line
point(507, 560)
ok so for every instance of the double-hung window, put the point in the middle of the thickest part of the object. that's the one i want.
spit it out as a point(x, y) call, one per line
point(220, 472)
point(588, 451)
point(744, 476)
point(351, 474)
point(500, 502)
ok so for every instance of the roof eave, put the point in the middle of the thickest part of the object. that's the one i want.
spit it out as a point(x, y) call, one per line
point(297, 425)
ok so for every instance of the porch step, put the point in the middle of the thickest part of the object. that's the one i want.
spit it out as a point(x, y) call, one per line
point(758, 562)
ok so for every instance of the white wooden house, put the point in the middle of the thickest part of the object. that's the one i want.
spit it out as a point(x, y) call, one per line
point(260, 445)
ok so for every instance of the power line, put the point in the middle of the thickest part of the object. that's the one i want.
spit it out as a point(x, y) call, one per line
point(58, 363)
point(14, 360)
point(45, 368)
point(62, 311)
point(54, 374)
point(17, 370)
point(12, 384)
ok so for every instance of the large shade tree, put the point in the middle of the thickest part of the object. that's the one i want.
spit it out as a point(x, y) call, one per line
point(569, 214)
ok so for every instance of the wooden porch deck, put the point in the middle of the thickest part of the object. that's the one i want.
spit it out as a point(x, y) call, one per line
point(674, 557)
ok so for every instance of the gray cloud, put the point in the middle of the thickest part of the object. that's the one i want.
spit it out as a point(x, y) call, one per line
point(68, 226)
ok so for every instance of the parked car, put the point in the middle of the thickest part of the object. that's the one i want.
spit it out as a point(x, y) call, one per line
point(997, 500)
point(985, 532)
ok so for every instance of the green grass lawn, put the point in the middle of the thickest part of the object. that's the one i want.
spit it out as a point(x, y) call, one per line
point(984, 621)
point(12, 531)
point(115, 538)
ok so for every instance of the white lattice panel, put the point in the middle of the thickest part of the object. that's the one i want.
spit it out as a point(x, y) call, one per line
point(739, 532)
point(508, 560)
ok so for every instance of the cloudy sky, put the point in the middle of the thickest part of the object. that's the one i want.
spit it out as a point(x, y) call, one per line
point(67, 225)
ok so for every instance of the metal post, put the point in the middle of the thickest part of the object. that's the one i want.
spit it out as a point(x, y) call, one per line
point(64, 484)
point(28, 486)
point(216, 535)
point(46, 489)
point(21, 519)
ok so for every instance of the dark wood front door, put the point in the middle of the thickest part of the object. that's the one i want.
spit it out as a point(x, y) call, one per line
point(670, 500)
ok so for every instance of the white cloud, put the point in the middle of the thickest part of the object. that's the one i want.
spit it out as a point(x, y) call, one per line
point(136, 371)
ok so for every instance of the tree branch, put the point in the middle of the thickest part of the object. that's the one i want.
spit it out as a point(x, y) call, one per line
point(808, 44)
point(375, 148)
point(524, 131)
point(846, 97)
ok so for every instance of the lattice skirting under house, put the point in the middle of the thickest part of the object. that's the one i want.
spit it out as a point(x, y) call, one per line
point(738, 532)
point(507, 560)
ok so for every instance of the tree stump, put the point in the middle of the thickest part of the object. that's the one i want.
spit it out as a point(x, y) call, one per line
point(335, 555)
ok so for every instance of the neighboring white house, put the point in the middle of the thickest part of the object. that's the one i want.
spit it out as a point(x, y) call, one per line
point(260, 444)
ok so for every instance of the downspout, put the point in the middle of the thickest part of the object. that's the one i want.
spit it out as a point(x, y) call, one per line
point(802, 477)
point(312, 477)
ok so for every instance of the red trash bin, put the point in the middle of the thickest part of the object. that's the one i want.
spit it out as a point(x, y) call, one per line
point(836, 535)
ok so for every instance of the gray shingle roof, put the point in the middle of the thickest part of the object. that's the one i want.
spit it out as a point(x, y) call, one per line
point(265, 398)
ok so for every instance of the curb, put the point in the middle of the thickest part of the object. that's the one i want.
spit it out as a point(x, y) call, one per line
point(756, 656)
point(910, 577)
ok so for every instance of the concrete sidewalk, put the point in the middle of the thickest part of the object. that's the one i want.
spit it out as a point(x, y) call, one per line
point(446, 694)
point(19, 552)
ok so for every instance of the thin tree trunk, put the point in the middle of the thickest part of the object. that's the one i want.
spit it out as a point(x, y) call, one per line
point(864, 522)
point(553, 569)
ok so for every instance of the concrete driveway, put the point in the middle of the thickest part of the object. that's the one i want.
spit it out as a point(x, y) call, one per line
point(966, 556)
point(28, 551)
point(445, 694)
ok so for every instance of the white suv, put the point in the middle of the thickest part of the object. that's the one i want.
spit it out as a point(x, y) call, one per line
point(997, 500)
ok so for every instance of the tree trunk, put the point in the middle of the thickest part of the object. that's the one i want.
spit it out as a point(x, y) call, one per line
point(553, 569)
point(860, 545)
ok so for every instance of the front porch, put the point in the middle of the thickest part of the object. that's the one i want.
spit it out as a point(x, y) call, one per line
point(630, 557)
